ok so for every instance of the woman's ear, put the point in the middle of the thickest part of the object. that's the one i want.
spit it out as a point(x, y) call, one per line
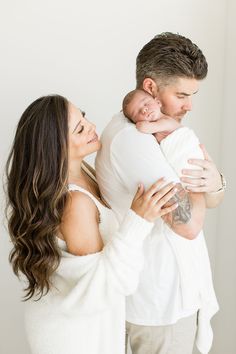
point(150, 86)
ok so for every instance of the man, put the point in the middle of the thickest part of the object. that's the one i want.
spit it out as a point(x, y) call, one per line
point(175, 298)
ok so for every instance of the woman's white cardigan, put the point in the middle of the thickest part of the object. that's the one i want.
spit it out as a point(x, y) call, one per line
point(84, 312)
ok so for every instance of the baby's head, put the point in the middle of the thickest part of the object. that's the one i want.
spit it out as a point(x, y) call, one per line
point(139, 105)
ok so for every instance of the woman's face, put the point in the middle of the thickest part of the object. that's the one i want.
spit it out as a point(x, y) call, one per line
point(83, 139)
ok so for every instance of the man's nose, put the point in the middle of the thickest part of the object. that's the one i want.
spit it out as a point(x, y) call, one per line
point(188, 105)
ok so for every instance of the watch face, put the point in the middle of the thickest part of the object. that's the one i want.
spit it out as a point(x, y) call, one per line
point(223, 181)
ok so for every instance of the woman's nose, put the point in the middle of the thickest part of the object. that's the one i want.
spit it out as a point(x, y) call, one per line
point(90, 127)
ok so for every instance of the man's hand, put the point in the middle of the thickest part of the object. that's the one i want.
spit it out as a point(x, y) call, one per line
point(207, 179)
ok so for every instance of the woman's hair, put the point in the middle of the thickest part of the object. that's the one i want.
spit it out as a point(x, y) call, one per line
point(169, 56)
point(36, 171)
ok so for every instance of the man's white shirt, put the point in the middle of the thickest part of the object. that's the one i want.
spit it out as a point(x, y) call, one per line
point(171, 285)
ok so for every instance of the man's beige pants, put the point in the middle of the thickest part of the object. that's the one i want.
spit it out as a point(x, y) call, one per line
point(172, 339)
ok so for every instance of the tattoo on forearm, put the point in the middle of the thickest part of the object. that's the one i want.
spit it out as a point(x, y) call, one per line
point(182, 214)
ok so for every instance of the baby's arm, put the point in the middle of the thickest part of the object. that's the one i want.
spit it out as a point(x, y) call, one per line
point(161, 128)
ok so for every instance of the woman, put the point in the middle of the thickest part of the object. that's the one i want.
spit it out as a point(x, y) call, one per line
point(77, 262)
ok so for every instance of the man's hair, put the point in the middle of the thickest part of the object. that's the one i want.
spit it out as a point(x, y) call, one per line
point(169, 56)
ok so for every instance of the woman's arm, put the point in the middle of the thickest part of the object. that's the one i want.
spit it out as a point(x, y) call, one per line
point(80, 222)
point(90, 273)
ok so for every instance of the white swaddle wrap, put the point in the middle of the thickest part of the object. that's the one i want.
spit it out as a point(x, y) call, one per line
point(191, 255)
point(180, 146)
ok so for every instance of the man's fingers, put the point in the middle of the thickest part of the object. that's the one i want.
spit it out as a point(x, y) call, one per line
point(198, 189)
point(194, 173)
point(194, 181)
point(199, 162)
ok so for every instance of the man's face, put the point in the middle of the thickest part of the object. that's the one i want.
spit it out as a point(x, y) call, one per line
point(176, 98)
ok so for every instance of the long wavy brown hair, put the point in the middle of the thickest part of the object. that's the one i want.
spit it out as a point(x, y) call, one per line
point(37, 174)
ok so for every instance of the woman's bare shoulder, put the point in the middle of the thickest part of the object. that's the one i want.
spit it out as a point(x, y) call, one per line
point(79, 226)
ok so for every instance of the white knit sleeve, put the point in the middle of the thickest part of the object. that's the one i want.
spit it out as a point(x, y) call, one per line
point(180, 146)
point(89, 283)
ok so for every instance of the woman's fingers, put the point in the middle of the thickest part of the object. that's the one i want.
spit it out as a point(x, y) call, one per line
point(168, 209)
point(151, 204)
point(164, 194)
point(157, 187)
point(161, 199)
point(139, 192)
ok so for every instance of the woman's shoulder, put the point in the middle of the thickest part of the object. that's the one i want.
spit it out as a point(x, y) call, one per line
point(79, 203)
point(79, 225)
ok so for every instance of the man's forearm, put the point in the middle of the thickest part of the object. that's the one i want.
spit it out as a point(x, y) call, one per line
point(181, 215)
point(187, 219)
point(213, 199)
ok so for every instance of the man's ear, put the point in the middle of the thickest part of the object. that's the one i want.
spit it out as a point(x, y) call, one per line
point(150, 86)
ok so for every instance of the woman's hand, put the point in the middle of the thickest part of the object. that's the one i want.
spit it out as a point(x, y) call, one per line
point(207, 179)
point(150, 204)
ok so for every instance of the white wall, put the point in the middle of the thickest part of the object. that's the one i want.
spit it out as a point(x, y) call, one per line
point(225, 280)
point(86, 51)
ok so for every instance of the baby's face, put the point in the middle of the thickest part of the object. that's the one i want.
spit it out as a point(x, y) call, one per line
point(143, 107)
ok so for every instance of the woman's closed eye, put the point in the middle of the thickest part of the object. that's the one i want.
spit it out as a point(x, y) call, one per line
point(81, 129)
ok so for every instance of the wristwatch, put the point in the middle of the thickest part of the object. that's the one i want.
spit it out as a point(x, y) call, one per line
point(223, 181)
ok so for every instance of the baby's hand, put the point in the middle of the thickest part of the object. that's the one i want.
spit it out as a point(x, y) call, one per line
point(162, 135)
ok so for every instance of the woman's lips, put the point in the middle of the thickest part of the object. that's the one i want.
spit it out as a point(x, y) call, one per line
point(94, 139)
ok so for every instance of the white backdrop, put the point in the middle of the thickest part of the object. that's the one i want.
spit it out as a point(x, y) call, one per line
point(86, 52)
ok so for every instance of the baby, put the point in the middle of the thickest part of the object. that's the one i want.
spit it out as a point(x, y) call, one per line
point(145, 111)
point(177, 145)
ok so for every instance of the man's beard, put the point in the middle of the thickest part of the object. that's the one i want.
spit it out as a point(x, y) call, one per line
point(177, 116)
